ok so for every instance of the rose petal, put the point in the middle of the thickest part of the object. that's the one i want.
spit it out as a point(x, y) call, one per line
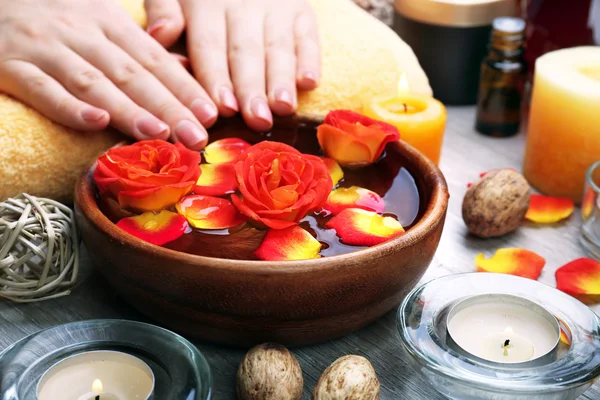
point(224, 150)
point(216, 180)
point(155, 198)
point(564, 337)
point(156, 228)
point(481, 175)
point(206, 212)
point(353, 197)
point(359, 227)
point(336, 172)
point(587, 204)
point(514, 261)
point(293, 243)
point(547, 210)
point(580, 278)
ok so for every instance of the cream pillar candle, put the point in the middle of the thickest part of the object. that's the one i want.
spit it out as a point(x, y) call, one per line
point(563, 137)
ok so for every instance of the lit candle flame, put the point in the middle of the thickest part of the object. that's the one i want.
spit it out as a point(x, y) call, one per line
point(508, 330)
point(403, 86)
point(97, 386)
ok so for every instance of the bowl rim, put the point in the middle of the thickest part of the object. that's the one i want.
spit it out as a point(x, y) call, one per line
point(434, 213)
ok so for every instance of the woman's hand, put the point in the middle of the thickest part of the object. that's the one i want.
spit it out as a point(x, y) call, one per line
point(250, 55)
point(85, 64)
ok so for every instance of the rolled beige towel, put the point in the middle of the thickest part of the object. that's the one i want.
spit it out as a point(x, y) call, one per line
point(362, 58)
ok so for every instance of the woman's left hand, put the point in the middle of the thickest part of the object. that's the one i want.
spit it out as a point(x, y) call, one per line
point(249, 55)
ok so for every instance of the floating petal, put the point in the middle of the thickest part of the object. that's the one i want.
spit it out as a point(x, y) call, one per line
point(293, 243)
point(580, 278)
point(353, 197)
point(224, 150)
point(156, 228)
point(216, 180)
point(519, 262)
point(206, 212)
point(547, 210)
point(334, 170)
point(359, 227)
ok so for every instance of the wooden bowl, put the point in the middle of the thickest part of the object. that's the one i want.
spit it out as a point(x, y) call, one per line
point(242, 303)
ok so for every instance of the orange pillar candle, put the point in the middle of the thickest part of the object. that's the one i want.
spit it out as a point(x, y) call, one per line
point(420, 119)
point(563, 137)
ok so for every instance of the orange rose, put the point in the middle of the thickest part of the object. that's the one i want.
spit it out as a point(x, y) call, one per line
point(279, 185)
point(353, 139)
point(148, 175)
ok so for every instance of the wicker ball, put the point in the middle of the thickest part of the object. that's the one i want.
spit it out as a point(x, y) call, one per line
point(39, 249)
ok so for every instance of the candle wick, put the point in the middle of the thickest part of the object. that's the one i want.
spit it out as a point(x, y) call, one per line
point(506, 342)
point(97, 397)
point(405, 108)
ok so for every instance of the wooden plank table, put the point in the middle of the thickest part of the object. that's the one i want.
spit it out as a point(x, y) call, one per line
point(465, 154)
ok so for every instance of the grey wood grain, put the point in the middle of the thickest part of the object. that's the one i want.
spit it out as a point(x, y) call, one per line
point(465, 154)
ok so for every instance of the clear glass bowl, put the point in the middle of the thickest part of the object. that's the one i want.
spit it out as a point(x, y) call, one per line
point(422, 327)
point(180, 370)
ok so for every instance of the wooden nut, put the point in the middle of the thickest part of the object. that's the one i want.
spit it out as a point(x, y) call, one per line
point(269, 372)
point(348, 378)
point(496, 204)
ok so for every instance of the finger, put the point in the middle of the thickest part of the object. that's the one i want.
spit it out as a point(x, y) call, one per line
point(308, 51)
point(183, 60)
point(89, 84)
point(145, 89)
point(281, 63)
point(163, 66)
point(207, 49)
point(165, 20)
point(31, 85)
point(246, 52)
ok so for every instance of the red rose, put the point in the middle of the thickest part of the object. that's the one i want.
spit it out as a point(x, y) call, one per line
point(148, 175)
point(353, 139)
point(279, 185)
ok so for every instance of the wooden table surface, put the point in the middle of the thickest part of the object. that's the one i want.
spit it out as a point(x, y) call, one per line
point(465, 154)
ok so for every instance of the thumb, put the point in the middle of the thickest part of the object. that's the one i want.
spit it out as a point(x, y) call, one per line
point(165, 20)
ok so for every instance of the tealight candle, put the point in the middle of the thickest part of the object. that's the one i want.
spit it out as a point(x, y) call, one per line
point(503, 329)
point(97, 375)
point(420, 119)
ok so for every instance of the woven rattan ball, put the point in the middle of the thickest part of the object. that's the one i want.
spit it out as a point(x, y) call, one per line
point(39, 249)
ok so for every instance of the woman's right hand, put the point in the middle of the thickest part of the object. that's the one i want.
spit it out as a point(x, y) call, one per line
point(86, 64)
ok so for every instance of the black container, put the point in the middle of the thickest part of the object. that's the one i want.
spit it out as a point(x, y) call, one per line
point(450, 39)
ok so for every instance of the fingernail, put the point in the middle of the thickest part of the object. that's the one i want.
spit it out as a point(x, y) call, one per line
point(284, 96)
point(204, 111)
point(151, 127)
point(261, 110)
point(156, 26)
point(92, 114)
point(190, 134)
point(228, 99)
point(309, 77)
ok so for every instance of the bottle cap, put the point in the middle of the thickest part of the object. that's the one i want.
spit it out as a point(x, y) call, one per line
point(509, 25)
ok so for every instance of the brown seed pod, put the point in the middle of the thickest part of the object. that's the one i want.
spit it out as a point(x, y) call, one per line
point(348, 378)
point(496, 204)
point(269, 372)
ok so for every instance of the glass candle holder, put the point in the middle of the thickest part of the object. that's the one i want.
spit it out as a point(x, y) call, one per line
point(425, 319)
point(177, 369)
point(590, 212)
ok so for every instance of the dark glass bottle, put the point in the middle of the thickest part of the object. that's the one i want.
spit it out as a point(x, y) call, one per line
point(503, 74)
